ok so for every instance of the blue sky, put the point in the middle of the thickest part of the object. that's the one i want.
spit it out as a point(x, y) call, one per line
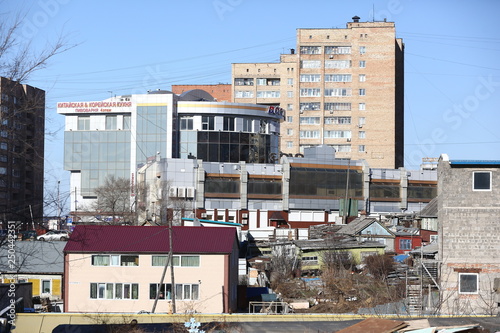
point(452, 47)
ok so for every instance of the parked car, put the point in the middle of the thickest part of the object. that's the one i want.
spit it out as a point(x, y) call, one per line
point(27, 234)
point(53, 235)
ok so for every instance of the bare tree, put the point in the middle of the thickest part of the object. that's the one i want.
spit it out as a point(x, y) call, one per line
point(158, 203)
point(18, 58)
point(23, 116)
point(113, 199)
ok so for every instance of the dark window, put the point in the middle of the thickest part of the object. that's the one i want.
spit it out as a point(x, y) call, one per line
point(482, 181)
point(468, 283)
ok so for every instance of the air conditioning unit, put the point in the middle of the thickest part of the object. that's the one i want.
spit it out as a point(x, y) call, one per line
point(189, 192)
point(360, 126)
point(172, 191)
point(244, 215)
point(331, 111)
point(301, 111)
point(349, 140)
point(181, 192)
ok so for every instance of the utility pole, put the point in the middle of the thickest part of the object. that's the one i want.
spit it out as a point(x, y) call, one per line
point(58, 206)
point(346, 205)
point(170, 255)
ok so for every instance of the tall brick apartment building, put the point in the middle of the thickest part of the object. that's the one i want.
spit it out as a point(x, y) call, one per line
point(340, 87)
point(22, 129)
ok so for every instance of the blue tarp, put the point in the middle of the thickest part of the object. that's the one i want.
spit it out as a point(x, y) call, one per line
point(400, 257)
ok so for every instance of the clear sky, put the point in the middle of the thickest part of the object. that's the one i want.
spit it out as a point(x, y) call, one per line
point(452, 52)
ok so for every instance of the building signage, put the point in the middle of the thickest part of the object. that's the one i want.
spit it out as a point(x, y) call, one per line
point(276, 110)
point(100, 106)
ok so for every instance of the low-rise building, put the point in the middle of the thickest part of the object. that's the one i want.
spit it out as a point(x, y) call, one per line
point(119, 269)
point(469, 236)
point(41, 263)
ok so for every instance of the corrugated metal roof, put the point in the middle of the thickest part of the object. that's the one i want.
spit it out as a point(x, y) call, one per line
point(139, 239)
point(475, 162)
point(36, 257)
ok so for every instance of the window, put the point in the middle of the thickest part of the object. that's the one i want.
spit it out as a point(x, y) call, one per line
point(100, 260)
point(247, 125)
point(263, 127)
point(289, 144)
point(310, 78)
point(187, 291)
point(243, 94)
point(362, 134)
point(361, 148)
point(309, 134)
point(289, 131)
point(289, 94)
point(268, 94)
point(289, 119)
point(228, 124)
point(468, 283)
point(337, 120)
point(362, 92)
point(310, 49)
point(261, 82)
point(313, 258)
point(178, 261)
point(111, 122)
point(405, 244)
point(311, 64)
point(361, 121)
point(165, 292)
point(46, 286)
point(207, 123)
point(115, 260)
point(337, 134)
point(310, 92)
point(481, 181)
point(337, 49)
point(3, 158)
point(362, 77)
point(361, 106)
point(83, 123)
point(309, 120)
point(362, 64)
point(129, 260)
point(338, 78)
point(362, 49)
point(126, 122)
point(186, 123)
point(338, 92)
point(243, 82)
point(290, 82)
point(104, 290)
point(310, 106)
point(337, 106)
point(289, 107)
point(338, 64)
point(433, 238)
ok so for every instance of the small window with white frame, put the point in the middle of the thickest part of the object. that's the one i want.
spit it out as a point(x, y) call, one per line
point(481, 181)
point(468, 283)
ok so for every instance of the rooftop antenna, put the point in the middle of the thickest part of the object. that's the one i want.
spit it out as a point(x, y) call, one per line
point(373, 13)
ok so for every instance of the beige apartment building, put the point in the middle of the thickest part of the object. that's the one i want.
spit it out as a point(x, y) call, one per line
point(339, 87)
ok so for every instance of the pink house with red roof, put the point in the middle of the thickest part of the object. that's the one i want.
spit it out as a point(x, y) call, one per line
point(119, 268)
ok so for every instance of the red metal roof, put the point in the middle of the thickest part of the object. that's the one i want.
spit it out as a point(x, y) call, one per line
point(140, 239)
